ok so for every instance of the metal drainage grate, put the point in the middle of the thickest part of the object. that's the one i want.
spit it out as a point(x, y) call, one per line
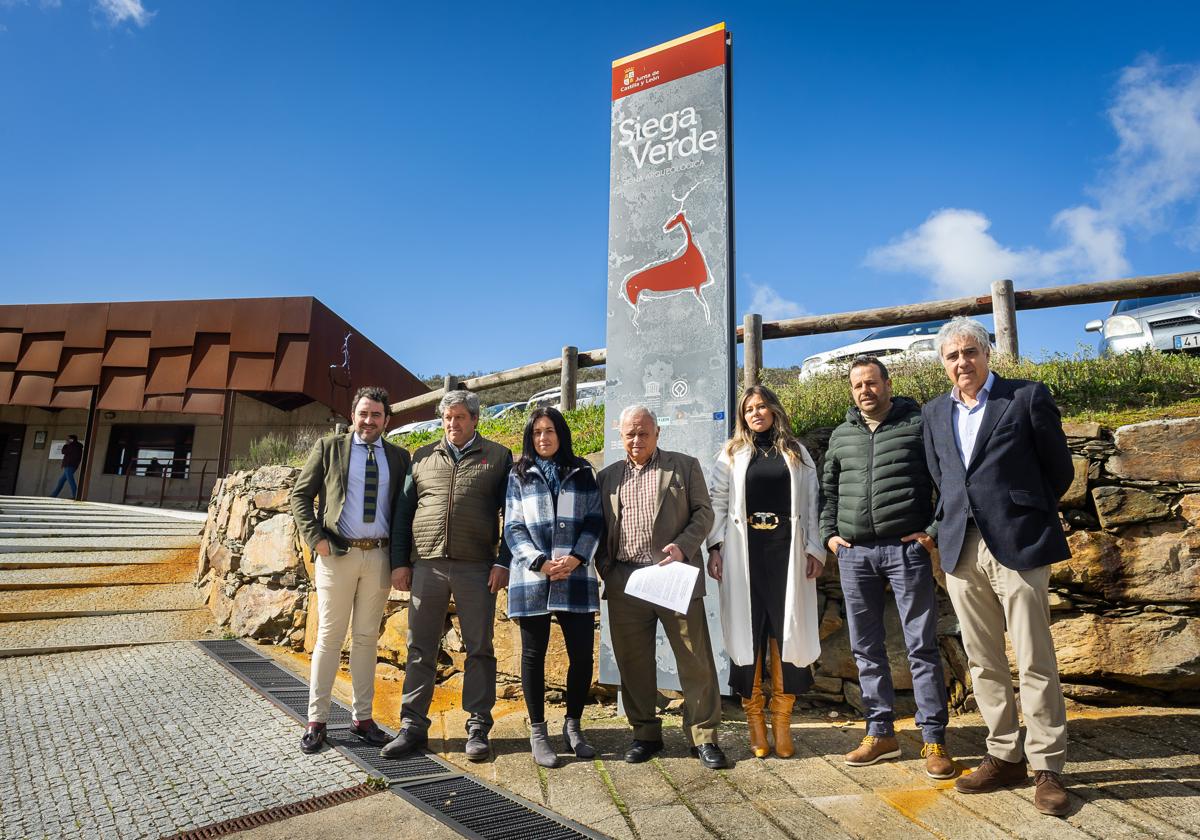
point(230, 649)
point(486, 813)
point(471, 807)
point(295, 702)
point(268, 675)
point(273, 815)
point(406, 769)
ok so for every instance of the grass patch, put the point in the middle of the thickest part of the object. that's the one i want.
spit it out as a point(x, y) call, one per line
point(1110, 390)
point(1107, 389)
point(587, 431)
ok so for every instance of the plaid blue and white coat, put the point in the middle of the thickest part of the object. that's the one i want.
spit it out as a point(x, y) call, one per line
point(534, 526)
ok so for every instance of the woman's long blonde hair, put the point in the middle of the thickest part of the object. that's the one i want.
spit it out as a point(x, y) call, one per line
point(785, 443)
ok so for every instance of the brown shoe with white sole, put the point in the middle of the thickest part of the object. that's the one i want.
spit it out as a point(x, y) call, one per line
point(872, 749)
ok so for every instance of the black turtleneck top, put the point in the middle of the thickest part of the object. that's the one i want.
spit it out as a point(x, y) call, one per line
point(768, 484)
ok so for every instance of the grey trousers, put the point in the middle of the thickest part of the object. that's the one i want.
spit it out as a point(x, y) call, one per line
point(633, 624)
point(987, 598)
point(434, 582)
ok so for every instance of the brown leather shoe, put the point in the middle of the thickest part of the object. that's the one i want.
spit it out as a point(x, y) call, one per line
point(1050, 796)
point(991, 774)
point(938, 764)
point(873, 749)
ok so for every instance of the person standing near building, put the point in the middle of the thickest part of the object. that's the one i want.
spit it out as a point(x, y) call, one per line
point(656, 510)
point(353, 479)
point(446, 542)
point(765, 550)
point(999, 458)
point(552, 524)
point(876, 517)
point(72, 457)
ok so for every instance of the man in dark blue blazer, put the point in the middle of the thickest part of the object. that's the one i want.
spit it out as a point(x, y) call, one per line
point(999, 458)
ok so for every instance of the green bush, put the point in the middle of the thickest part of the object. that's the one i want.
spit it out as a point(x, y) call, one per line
point(587, 431)
point(287, 448)
point(1084, 386)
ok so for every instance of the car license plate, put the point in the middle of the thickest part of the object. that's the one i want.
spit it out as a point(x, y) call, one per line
point(1191, 341)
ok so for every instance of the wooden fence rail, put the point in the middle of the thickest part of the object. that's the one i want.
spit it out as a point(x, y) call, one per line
point(1003, 302)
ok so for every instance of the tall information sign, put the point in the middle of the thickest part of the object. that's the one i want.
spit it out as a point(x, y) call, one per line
point(670, 263)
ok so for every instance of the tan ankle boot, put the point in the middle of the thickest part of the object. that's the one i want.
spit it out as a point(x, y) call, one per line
point(781, 707)
point(757, 724)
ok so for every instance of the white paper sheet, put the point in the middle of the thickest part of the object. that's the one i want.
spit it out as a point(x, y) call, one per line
point(667, 586)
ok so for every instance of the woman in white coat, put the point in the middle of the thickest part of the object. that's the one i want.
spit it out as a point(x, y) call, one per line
point(765, 551)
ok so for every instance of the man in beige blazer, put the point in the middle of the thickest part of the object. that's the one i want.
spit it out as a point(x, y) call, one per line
point(657, 510)
point(354, 480)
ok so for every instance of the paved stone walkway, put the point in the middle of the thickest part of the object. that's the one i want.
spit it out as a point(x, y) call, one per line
point(1134, 773)
point(145, 742)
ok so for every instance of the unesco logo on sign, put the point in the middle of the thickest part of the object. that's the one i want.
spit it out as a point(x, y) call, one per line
point(679, 389)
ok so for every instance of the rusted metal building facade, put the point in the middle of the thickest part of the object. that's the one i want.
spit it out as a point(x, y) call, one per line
point(165, 394)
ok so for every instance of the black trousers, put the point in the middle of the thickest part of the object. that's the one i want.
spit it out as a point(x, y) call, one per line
point(578, 631)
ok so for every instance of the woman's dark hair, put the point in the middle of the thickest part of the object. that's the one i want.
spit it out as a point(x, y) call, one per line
point(565, 457)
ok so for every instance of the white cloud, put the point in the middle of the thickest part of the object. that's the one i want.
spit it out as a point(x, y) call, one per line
point(1152, 180)
point(117, 12)
point(771, 305)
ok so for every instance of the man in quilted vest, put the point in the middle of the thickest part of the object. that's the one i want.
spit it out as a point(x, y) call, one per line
point(446, 542)
point(877, 517)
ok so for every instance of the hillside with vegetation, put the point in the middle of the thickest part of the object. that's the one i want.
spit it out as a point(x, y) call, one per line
point(1111, 390)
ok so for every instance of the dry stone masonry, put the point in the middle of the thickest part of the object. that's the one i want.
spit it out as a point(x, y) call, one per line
point(1126, 605)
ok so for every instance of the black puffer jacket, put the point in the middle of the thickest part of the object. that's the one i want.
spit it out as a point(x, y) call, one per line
point(875, 485)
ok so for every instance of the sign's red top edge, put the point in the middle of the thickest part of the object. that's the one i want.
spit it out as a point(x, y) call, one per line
point(649, 69)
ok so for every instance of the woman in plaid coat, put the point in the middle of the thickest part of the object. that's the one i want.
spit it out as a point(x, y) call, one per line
point(552, 523)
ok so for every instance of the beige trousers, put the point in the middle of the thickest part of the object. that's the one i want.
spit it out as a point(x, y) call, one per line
point(987, 598)
point(352, 584)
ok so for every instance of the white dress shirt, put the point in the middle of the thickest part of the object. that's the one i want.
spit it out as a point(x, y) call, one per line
point(967, 420)
point(350, 524)
point(457, 451)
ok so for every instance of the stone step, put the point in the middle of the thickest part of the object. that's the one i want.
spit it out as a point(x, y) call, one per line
point(33, 519)
point(146, 597)
point(23, 638)
point(26, 545)
point(61, 559)
point(83, 529)
point(131, 574)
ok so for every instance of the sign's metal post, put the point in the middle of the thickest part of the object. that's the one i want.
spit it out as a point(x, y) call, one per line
point(671, 336)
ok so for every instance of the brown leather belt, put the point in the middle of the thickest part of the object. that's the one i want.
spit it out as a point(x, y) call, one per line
point(367, 545)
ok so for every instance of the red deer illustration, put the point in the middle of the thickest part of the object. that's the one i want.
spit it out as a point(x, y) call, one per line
point(686, 270)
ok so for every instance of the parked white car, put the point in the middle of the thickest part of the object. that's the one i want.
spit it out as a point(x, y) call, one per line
point(1164, 322)
point(907, 342)
point(419, 426)
point(586, 393)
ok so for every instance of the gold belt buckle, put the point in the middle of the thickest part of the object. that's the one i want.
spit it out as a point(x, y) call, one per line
point(764, 521)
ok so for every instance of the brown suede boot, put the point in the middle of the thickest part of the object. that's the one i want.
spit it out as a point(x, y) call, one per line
point(991, 774)
point(781, 707)
point(874, 748)
point(755, 722)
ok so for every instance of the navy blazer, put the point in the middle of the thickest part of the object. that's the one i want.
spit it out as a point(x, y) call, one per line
point(1018, 471)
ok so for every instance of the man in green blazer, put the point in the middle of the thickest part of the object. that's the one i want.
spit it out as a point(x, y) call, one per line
point(657, 510)
point(344, 502)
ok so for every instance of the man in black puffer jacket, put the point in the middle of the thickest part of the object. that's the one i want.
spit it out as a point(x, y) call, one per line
point(877, 517)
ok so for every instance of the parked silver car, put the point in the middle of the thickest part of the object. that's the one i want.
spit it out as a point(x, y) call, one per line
point(1167, 322)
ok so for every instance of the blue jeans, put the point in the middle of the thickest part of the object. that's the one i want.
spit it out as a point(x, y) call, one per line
point(865, 568)
point(67, 477)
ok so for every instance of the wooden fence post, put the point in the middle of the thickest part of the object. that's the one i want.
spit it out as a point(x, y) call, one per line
point(449, 383)
point(752, 341)
point(568, 377)
point(1004, 313)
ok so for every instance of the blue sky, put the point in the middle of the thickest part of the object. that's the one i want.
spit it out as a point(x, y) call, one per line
point(438, 175)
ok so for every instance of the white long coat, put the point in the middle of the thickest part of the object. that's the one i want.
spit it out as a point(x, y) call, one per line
point(801, 643)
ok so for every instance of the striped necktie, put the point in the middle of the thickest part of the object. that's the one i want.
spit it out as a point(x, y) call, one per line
point(370, 485)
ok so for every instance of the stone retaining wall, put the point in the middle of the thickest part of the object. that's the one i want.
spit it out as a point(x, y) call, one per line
point(1126, 605)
